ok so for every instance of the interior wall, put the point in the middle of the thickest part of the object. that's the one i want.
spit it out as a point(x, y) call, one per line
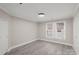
point(4, 31)
point(76, 32)
point(69, 33)
point(19, 30)
point(22, 31)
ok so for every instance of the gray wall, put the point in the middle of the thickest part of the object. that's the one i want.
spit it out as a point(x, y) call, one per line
point(22, 31)
point(19, 30)
point(76, 32)
point(4, 33)
point(69, 33)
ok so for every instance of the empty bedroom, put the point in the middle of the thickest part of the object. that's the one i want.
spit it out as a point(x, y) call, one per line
point(39, 28)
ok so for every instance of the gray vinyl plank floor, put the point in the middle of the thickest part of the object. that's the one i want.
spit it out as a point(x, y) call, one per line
point(40, 47)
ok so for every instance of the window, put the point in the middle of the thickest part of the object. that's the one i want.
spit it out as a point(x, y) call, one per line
point(49, 29)
point(60, 27)
point(55, 30)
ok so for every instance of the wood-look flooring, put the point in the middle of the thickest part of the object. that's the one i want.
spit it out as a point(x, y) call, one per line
point(40, 47)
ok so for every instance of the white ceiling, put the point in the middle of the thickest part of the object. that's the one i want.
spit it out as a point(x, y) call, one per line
point(29, 11)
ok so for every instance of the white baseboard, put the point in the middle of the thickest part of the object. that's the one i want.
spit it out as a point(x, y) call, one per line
point(57, 42)
point(20, 45)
